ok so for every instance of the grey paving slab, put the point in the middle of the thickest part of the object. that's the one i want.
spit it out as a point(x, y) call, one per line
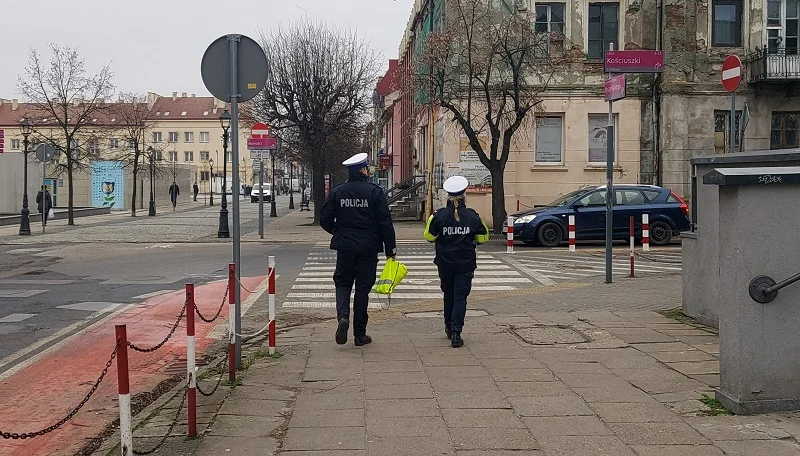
point(499, 453)
point(677, 450)
point(243, 426)
point(408, 446)
point(472, 400)
point(737, 428)
point(419, 426)
point(624, 394)
point(395, 378)
point(522, 375)
point(663, 347)
point(513, 363)
point(579, 368)
point(550, 406)
point(389, 408)
point(497, 439)
point(696, 367)
point(306, 418)
point(330, 401)
point(471, 384)
point(657, 433)
point(481, 418)
point(399, 392)
point(533, 389)
point(584, 445)
point(393, 366)
point(453, 372)
point(638, 412)
point(684, 356)
point(641, 335)
point(436, 360)
point(330, 438)
point(325, 453)
point(252, 407)
point(760, 447)
point(593, 381)
point(565, 425)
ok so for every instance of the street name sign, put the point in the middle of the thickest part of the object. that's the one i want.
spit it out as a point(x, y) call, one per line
point(634, 61)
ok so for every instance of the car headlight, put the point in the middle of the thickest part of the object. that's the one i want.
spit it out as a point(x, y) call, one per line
point(525, 219)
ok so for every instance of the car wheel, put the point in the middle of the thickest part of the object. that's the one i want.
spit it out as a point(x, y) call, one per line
point(550, 235)
point(660, 233)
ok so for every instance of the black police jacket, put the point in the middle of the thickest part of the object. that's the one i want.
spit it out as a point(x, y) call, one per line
point(456, 239)
point(357, 214)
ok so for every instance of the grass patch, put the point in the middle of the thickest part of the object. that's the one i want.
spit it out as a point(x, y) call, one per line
point(275, 355)
point(715, 407)
point(678, 315)
point(235, 383)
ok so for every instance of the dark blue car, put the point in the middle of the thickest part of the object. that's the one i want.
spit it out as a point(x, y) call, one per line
point(548, 226)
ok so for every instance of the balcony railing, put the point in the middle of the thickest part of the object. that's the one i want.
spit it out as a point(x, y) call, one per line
point(775, 65)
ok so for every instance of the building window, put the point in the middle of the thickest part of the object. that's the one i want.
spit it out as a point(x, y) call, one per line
point(603, 28)
point(173, 136)
point(598, 145)
point(113, 143)
point(549, 18)
point(203, 136)
point(156, 136)
point(188, 156)
point(722, 131)
point(228, 156)
point(549, 139)
point(131, 145)
point(15, 144)
point(188, 137)
point(159, 156)
point(173, 156)
point(204, 156)
point(783, 133)
point(204, 176)
point(726, 23)
point(94, 147)
point(783, 26)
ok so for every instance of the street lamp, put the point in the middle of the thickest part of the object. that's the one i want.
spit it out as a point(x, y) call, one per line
point(225, 122)
point(26, 128)
point(151, 211)
point(211, 178)
point(291, 194)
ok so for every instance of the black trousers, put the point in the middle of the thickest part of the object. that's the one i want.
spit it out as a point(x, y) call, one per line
point(456, 287)
point(360, 268)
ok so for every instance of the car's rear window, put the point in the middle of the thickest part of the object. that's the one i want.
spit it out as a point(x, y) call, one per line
point(651, 194)
point(672, 199)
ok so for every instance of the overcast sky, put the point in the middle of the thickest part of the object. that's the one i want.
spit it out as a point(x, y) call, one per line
point(156, 45)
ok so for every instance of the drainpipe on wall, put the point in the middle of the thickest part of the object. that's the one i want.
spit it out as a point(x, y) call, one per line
point(657, 180)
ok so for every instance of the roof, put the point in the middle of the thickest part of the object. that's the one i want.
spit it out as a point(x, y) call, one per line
point(387, 84)
point(758, 156)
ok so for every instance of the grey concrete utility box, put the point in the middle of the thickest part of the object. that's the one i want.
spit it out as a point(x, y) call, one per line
point(701, 247)
point(757, 219)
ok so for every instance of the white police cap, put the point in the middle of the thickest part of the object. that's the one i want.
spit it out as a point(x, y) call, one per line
point(356, 161)
point(455, 185)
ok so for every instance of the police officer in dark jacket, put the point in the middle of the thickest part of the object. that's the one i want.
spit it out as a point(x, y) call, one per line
point(357, 215)
point(456, 230)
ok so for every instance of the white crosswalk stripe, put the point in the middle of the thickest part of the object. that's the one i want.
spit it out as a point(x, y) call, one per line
point(314, 287)
point(549, 268)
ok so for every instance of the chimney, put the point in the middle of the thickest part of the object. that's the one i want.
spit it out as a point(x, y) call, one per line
point(14, 103)
point(174, 96)
point(183, 95)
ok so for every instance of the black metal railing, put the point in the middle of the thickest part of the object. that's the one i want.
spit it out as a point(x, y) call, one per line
point(764, 289)
point(404, 188)
point(774, 65)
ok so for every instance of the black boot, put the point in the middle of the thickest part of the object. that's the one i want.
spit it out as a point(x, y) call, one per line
point(362, 340)
point(456, 340)
point(341, 331)
point(447, 332)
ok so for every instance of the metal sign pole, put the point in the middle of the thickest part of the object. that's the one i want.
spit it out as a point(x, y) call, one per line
point(733, 123)
point(44, 196)
point(609, 185)
point(261, 196)
point(233, 40)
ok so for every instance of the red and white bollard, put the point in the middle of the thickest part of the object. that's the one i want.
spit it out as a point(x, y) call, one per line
point(124, 386)
point(510, 236)
point(645, 232)
point(517, 205)
point(571, 233)
point(231, 322)
point(190, 361)
point(631, 253)
point(271, 279)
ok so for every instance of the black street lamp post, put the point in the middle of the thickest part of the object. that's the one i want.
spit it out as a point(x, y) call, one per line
point(26, 128)
point(211, 178)
point(225, 121)
point(151, 211)
point(291, 184)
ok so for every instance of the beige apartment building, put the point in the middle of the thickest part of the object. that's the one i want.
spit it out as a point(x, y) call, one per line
point(187, 138)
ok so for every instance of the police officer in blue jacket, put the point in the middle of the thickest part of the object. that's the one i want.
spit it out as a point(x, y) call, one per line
point(357, 214)
point(456, 230)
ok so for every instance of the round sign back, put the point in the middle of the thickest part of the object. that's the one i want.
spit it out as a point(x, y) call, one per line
point(251, 67)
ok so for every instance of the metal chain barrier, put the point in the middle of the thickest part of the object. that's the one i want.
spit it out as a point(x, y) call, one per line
point(222, 369)
point(242, 285)
point(255, 334)
point(171, 426)
point(211, 320)
point(30, 435)
point(171, 332)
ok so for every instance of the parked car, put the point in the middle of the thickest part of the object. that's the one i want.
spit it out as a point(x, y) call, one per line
point(256, 193)
point(548, 226)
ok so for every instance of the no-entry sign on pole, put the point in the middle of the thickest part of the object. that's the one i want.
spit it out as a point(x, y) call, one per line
point(731, 73)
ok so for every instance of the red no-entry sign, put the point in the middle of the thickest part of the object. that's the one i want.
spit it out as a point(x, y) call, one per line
point(731, 73)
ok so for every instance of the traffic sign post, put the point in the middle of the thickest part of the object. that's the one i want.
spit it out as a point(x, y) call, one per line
point(731, 78)
point(260, 143)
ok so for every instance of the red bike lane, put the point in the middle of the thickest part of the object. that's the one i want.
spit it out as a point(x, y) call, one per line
point(41, 394)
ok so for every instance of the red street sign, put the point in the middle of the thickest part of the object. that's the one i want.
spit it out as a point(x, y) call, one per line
point(262, 143)
point(259, 130)
point(615, 88)
point(731, 73)
point(637, 61)
point(385, 161)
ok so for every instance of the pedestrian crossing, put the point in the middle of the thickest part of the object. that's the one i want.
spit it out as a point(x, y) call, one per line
point(314, 287)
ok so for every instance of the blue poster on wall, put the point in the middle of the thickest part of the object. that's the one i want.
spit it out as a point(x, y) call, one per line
point(108, 184)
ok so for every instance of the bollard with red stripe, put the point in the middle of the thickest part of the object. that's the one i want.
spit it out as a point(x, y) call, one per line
point(190, 361)
point(124, 386)
point(271, 278)
point(571, 233)
point(645, 232)
point(631, 253)
point(510, 236)
point(231, 322)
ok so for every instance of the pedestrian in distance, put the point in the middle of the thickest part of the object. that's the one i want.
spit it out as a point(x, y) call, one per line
point(457, 231)
point(196, 190)
point(44, 203)
point(357, 214)
point(174, 191)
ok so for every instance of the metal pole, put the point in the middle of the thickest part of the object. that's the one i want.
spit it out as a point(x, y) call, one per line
point(609, 185)
point(732, 140)
point(223, 231)
point(25, 218)
point(291, 184)
point(234, 44)
point(273, 210)
point(44, 197)
point(260, 196)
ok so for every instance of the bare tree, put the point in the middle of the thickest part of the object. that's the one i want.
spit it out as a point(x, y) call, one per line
point(488, 68)
point(132, 119)
point(64, 104)
point(320, 79)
